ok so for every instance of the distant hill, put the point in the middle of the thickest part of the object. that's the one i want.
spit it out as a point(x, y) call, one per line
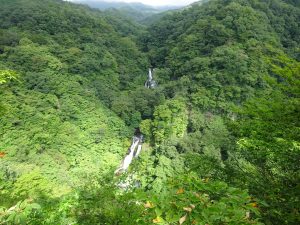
point(136, 11)
point(119, 5)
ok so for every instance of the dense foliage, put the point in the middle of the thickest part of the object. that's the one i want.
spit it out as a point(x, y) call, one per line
point(221, 128)
point(134, 10)
point(235, 62)
point(55, 125)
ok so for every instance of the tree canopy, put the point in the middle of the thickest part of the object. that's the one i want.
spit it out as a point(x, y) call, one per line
point(221, 127)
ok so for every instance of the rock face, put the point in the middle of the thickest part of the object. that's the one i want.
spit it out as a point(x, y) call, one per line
point(150, 83)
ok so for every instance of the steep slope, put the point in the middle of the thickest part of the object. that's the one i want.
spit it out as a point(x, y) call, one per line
point(221, 127)
point(219, 47)
point(68, 58)
point(230, 71)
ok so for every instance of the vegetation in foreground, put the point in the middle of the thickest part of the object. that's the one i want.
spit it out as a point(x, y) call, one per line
point(222, 127)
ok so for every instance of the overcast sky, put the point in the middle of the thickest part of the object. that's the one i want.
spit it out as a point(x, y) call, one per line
point(151, 2)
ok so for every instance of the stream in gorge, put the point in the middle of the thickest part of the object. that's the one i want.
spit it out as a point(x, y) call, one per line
point(137, 140)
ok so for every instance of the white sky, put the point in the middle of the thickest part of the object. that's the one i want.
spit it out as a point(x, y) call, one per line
point(151, 2)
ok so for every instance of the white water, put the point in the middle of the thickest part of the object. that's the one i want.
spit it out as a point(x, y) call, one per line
point(150, 77)
point(136, 143)
point(138, 151)
point(150, 83)
point(137, 140)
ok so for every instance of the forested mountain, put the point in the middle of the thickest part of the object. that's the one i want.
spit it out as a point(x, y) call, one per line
point(220, 123)
point(221, 47)
point(56, 129)
point(119, 5)
point(135, 10)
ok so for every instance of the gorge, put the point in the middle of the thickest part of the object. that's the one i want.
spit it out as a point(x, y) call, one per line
point(216, 124)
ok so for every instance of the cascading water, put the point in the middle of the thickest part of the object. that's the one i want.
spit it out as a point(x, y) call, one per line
point(137, 140)
point(150, 83)
point(134, 151)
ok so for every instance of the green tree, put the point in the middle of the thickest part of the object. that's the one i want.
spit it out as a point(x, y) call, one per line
point(188, 199)
point(269, 141)
point(170, 119)
point(6, 75)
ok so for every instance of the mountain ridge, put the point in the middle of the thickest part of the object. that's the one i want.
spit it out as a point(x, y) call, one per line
point(217, 117)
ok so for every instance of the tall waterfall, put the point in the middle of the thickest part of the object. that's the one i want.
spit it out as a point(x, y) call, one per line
point(150, 83)
point(137, 140)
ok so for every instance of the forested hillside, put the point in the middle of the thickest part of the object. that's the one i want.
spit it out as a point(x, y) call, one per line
point(57, 131)
point(134, 10)
point(221, 126)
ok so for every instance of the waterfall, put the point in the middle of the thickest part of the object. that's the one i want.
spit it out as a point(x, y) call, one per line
point(150, 83)
point(128, 159)
point(150, 77)
point(137, 140)
point(138, 151)
point(134, 152)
